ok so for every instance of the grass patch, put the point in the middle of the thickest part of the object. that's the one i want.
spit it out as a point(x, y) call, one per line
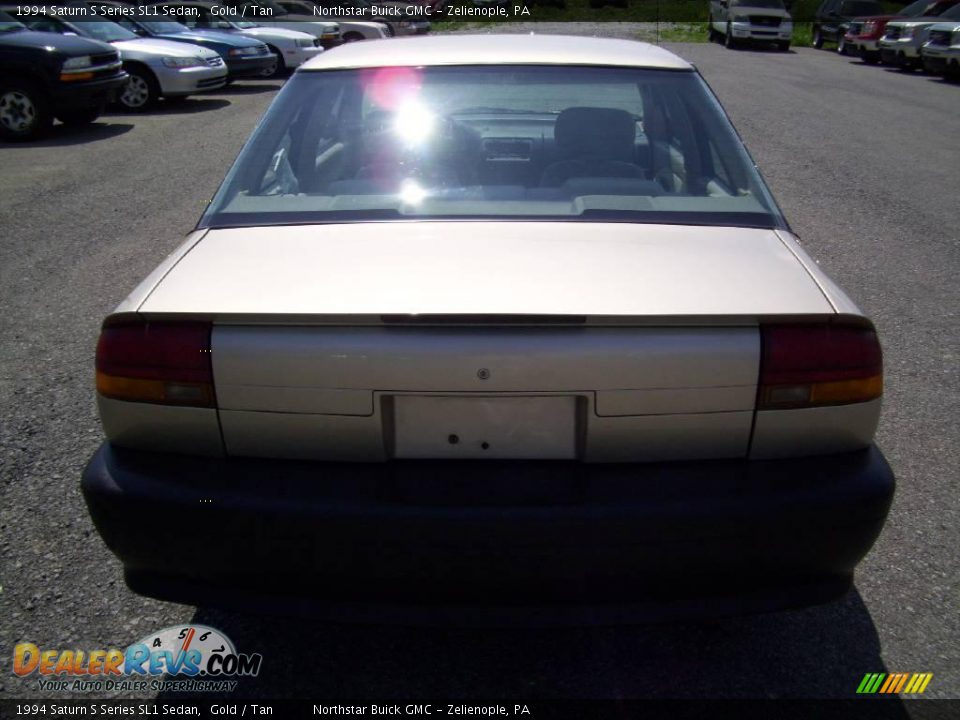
point(685, 33)
point(803, 34)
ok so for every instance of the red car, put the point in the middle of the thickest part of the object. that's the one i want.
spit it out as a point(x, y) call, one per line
point(863, 36)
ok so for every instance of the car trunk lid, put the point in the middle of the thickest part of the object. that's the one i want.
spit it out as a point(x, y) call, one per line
point(381, 341)
point(588, 270)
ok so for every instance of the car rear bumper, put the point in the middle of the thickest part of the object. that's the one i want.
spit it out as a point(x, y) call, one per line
point(647, 541)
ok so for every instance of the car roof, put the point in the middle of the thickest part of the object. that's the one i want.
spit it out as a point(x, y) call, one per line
point(465, 49)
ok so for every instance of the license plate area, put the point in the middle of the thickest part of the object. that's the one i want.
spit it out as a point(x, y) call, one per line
point(493, 428)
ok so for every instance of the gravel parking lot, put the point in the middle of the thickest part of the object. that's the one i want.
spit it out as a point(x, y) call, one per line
point(864, 163)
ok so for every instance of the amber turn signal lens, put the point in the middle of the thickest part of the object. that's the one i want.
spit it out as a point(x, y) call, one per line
point(840, 392)
point(156, 362)
point(811, 365)
point(155, 391)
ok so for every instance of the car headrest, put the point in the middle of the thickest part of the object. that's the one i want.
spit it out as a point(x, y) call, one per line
point(598, 132)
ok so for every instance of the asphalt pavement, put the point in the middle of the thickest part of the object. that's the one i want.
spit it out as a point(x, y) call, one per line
point(864, 162)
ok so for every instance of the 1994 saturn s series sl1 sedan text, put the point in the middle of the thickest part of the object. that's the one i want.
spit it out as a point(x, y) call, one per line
point(487, 323)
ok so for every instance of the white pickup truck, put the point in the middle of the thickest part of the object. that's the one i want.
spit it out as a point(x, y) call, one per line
point(740, 21)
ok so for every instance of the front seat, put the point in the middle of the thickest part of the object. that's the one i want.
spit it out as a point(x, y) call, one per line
point(595, 142)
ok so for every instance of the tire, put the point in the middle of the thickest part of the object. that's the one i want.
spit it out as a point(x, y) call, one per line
point(279, 69)
point(728, 40)
point(870, 58)
point(80, 117)
point(841, 46)
point(24, 111)
point(141, 92)
point(817, 38)
point(711, 32)
point(783, 46)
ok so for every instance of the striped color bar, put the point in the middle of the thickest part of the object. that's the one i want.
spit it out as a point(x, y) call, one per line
point(894, 683)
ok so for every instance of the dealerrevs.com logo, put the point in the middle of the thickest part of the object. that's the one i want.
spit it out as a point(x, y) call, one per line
point(201, 659)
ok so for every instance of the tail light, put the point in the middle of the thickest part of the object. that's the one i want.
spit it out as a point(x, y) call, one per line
point(816, 365)
point(156, 362)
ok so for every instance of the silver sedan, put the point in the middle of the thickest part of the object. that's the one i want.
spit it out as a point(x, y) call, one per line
point(157, 68)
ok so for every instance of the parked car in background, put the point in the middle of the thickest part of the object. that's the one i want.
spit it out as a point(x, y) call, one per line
point(941, 53)
point(864, 38)
point(903, 39)
point(352, 28)
point(738, 21)
point(327, 31)
point(45, 76)
point(399, 19)
point(491, 322)
point(244, 57)
point(847, 44)
point(292, 47)
point(832, 20)
point(157, 68)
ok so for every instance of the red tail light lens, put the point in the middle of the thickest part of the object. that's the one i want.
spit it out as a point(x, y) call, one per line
point(156, 362)
point(815, 365)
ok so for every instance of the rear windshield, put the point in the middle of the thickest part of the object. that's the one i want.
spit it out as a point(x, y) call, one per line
point(520, 142)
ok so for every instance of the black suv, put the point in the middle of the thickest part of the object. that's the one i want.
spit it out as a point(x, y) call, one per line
point(46, 75)
point(833, 18)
